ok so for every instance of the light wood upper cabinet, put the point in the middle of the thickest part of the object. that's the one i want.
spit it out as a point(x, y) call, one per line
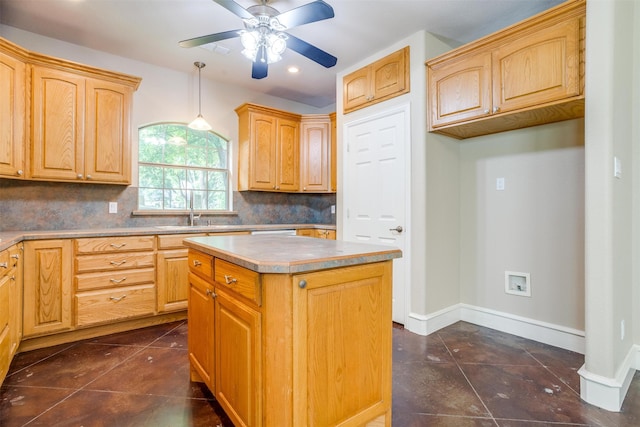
point(269, 149)
point(315, 154)
point(47, 286)
point(386, 78)
point(528, 74)
point(12, 111)
point(107, 132)
point(284, 152)
point(57, 125)
point(80, 128)
point(63, 121)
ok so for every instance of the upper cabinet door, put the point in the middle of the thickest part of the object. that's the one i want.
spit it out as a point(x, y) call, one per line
point(460, 89)
point(542, 67)
point(107, 132)
point(262, 152)
point(12, 114)
point(288, 158)
point(315, 160)
point(356, 89)
point(57, 128)
point(390, 75)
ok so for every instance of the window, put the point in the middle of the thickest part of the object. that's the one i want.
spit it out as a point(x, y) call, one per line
point(180, 168)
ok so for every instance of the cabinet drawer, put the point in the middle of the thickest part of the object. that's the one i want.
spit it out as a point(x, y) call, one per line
point(114, 261)
point(238, 279)
point(114, 244)
point(110, 279)
point(114, 304)
point(174, 241)
point(201, 264)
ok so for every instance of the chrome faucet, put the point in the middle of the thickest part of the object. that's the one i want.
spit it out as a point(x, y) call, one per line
point(192, 216)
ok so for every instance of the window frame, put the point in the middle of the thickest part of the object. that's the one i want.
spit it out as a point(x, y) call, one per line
point(185, 192)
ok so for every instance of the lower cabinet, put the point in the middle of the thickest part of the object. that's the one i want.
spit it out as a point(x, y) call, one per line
point(48, 286)
point(285, 350)
point(237, 353)
point(201, 326)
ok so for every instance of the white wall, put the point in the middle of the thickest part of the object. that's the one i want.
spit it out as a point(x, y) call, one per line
point(164, 94)
point(535, 225)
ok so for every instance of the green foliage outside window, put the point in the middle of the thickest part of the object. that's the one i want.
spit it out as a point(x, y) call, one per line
point(177, 164)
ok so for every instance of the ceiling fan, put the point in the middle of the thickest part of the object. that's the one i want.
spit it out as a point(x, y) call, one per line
point(264, 38)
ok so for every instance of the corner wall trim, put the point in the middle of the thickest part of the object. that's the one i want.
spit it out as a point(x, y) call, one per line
point(609, 393)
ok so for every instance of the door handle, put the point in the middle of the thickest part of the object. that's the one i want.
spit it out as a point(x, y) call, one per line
point(399, 229)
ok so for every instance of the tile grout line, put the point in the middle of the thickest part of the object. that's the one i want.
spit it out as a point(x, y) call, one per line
point(467, 379)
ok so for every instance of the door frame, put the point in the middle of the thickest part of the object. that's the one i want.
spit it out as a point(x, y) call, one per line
point(404, 108)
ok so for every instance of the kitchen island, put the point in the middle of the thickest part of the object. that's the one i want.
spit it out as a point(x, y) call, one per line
point(292, 331)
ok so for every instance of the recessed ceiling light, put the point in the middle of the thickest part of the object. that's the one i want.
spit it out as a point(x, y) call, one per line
point(293, 69)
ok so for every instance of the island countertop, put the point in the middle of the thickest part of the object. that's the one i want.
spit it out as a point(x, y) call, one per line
point(290, 254)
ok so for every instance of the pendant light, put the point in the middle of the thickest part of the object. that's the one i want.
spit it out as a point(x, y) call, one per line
point(199, 123)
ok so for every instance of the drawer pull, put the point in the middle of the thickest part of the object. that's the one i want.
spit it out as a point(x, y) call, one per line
point(116, 246)
point(4, 265)
point(118, 299)
point(196, 263)
point(118, 263)
point(230, 279)
point(116, 281)
point(15, 256)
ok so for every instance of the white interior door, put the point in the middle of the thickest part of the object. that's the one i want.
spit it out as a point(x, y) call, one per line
point(376, 176)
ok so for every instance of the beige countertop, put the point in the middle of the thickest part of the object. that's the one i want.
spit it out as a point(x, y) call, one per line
point(290, 254)
point(8, 238)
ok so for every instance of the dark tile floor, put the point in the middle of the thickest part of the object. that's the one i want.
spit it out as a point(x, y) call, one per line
point(462, 375)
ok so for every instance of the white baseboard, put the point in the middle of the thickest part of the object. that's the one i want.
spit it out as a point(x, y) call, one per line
point(609, 393)
point(547, 333)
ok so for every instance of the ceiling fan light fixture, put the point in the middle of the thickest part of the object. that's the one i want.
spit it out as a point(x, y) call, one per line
point(199, 123)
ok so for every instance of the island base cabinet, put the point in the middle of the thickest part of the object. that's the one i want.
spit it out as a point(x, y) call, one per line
point(342, 333)
point(313, 350)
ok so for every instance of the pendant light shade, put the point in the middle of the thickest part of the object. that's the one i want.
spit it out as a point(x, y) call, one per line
point(199, 123)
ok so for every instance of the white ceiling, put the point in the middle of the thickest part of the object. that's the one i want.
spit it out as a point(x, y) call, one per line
point(149, 31)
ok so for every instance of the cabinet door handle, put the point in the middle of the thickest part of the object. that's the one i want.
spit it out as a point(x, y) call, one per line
point(230, 279)
point(211, 293)
point(118, 263)
point(196, 263)
point(20, 172)
point(15, 256)
point(496, 109)
point(79, 176)
point(4, 265)
point(118, 246)
point(116, 281)
point(302, 284)
point(118, 299)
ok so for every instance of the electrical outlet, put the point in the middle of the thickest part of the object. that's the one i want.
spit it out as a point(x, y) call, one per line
point(113, 207)
point(333, 209)
point(500, 184)
point(622, 330)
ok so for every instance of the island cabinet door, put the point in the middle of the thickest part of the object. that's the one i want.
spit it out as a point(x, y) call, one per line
point(342, 346)
point(200, 338)
point(238, 355)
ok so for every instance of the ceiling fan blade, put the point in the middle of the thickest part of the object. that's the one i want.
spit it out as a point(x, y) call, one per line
point(211, 38)
point(235, 8)
point(305, 14)
point(311, 52)
point(259, 70)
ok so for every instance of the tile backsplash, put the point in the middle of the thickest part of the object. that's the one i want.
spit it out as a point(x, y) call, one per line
point(29, 205)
